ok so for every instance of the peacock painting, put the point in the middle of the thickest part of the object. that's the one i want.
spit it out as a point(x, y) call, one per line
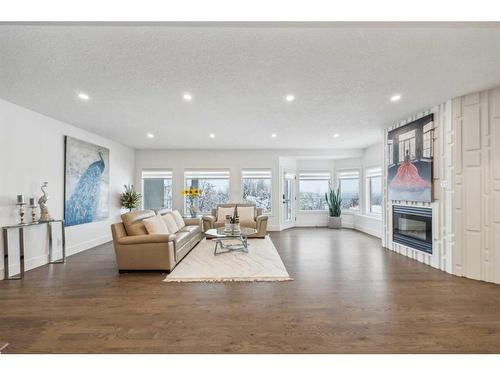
point(86, 182)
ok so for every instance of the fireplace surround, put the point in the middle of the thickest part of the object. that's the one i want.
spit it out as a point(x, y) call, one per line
point(412, 227)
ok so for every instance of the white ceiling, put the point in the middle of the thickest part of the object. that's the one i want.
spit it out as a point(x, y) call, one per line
point(341, 75)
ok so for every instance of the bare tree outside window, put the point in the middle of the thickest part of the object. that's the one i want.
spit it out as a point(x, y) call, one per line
point(214, 190)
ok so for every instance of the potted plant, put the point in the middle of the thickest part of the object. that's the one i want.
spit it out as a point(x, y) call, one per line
point(130, 198)
point(192, 194)
point(334, 208)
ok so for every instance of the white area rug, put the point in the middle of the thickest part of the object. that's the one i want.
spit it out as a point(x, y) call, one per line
point(261, 263)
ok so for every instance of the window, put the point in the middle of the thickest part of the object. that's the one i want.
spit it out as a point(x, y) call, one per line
point(391, 152)
point(349, 189)
point(312, 189)
point(374, 190)
point(427, 149)
point(214, 187)
point(407, 145)
point(257, 188)
point(156, 189)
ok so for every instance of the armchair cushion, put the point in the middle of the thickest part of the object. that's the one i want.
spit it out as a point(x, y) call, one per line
point(146, 238)
point(248, 224)
point(155, 225)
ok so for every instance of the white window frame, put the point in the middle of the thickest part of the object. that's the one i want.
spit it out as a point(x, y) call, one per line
point(350, 174)
point(370, 173)
point(253, 173)
point(164, 173)
point(206, 174)
point(318, 175)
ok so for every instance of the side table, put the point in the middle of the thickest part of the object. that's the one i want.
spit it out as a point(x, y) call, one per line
point(21, 227)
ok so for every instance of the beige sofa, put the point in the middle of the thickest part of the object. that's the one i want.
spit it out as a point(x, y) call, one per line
point(135, 249)
point(259, 221)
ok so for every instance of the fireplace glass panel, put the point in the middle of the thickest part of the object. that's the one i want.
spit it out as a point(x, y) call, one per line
point(412, 227)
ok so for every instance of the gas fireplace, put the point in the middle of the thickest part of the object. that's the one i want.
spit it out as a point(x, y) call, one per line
point(412, 227)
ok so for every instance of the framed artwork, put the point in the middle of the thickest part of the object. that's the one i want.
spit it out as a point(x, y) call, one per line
point(411, 161)
point(86, 182)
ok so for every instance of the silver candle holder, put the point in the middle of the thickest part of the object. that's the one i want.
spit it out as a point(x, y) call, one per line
point(21, 203)
point(33, 207)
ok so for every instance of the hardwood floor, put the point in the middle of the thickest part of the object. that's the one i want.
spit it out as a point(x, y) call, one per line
point(349, 296)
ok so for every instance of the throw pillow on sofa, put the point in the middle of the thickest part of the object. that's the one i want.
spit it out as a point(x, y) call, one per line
point(155, 225)
point(178, 219)
point(223, 211)
point(170, 222)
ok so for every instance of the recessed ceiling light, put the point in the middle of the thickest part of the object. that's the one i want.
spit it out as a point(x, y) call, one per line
point(188, 97)
point(211, 135)
point(150, 135)
point(395, 98)
point(83, 96)
point(274, 135)
point(290, 98)
point(336, 135)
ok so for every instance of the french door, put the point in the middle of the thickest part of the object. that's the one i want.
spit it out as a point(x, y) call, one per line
point(289, 199)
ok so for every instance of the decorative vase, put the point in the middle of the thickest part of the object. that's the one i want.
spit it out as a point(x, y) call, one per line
point(193, 211)
point(335, 222)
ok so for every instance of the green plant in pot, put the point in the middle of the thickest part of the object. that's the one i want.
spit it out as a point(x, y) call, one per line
point(334, 207)
point(130, 198)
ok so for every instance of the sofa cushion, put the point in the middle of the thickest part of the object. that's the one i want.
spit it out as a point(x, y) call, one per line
point(133, 221)
point(192, 229)
point(178, 219)
point(181, 238)
point(246, 213)
point(222, 212)
point(170, 222)
point(248, 224)
point(156, 225)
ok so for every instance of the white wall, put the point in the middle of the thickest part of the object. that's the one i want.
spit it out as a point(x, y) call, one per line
point(32, 151)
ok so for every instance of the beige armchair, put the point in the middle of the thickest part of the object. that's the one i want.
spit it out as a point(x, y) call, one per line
point(258, 222)
point(135, 249)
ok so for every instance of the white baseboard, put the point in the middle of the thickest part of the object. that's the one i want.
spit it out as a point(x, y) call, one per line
point(29, 264)
point(310, 226)
point(82, 246)
point(42, 260)
point(274, 228)
point(369, 231)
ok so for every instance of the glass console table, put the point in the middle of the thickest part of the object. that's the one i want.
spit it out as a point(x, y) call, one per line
point(21, 227)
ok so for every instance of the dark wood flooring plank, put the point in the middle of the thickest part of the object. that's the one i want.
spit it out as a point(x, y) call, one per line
point(349, 296)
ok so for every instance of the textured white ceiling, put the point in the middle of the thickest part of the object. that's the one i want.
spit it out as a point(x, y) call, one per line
point(342, 78)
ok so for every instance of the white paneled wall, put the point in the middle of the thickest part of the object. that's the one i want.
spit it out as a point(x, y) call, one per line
point(476, 173)
point(443, 193)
